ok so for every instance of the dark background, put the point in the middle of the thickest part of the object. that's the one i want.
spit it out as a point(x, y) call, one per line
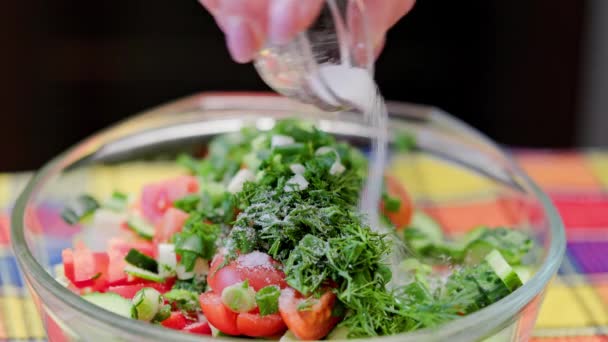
point(71, 67)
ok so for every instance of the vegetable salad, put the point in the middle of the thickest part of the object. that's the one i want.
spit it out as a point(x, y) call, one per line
point(263, 238)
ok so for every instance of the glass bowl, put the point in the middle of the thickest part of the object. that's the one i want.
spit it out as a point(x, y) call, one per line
point(451, 170)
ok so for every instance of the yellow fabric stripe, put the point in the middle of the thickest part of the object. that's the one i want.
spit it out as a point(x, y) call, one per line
point(14, 317)
point(130, 177)
point(571, 307)
point(4, 190)
point(429, 178)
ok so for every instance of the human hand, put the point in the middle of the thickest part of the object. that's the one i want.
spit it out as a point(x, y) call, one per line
point(248, 24)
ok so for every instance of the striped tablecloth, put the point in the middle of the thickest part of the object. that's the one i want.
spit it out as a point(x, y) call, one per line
point(575, 306)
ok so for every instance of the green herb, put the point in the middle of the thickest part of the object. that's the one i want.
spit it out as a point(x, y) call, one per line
point(183, 299)
point(404, 142)
point(79, 209)
point(187, 204)
point(391, 204)
point(267, 300)
point(197, 239)
point(163, 313)
point(196, 284)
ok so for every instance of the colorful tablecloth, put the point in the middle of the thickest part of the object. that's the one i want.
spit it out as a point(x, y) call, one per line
point(575, 306)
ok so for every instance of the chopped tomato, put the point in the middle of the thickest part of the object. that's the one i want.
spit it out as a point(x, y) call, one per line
point(176, 321)
point(251, 324)
point(256, 267)
point(156, 198)
point(67, 255)
point(117, 250)
point(129, 291)
point(255, 325)
point(85, 268)
point(200, 328)
point(217, 314)
point(171, 223)
point(400, 218)
point(313, 323)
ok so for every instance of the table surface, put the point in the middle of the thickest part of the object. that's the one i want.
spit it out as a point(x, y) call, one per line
point(575, 306)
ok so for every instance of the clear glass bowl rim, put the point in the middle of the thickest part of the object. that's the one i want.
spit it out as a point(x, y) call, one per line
point(506, 307)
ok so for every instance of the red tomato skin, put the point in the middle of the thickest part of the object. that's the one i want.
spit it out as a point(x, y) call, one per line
point(199, 328)
point(85, 268)
point(217, 314)
point(312, 324)
point(156, 198)
point(117, 250)
point(67, 255)
point(259, 269)
point(129, 291)
point(255, 325)
point(176, 321)
point(172, 222)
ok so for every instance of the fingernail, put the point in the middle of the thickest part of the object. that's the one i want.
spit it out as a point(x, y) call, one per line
point(241, 38)
point(282, 20)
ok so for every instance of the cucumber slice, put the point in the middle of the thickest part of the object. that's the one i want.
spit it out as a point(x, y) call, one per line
point(523, 272)
point(428, 226)
point(477, 251)
point(503, 270)
point(143, 274)
point(490, 284)
point(111, 302)
point(141, 227)
point(423, 234)
point(140, 260)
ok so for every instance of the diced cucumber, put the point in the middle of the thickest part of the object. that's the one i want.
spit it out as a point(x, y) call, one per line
point(143, 274)
point(80, 209)
point(146, 304)
point(118, 202)
point(141, 227)
point(111, 302)
point(140, 260)
point(503, 270)
point(428, 226)
point(490, 284)
point(423, 233)
point(477, 251)
point(523, 272)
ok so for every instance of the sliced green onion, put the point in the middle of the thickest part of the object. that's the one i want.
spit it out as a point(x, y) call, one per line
point(239, 297)
point(267, 300)
point(81, 208)
point(147, 303)
point(139, 259)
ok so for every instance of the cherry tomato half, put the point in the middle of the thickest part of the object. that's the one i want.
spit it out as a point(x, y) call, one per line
point(313, 323)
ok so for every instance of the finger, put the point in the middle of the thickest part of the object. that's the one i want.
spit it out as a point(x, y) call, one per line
point(244, 23)
point(289, 17)
point(382, 15)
